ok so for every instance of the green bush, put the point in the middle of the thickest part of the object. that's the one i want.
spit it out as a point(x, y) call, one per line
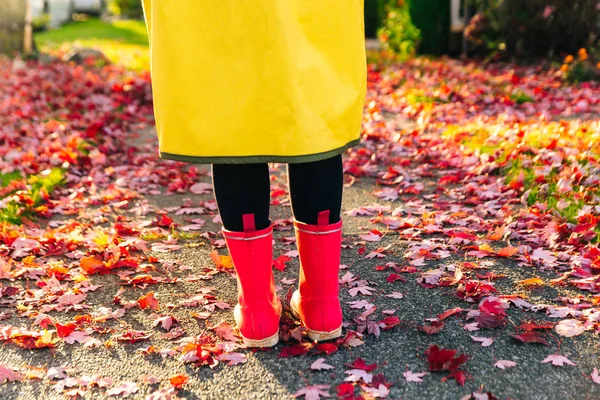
point(126, 8)
point(432, 17)
point(40, 23)
point(534, 28)
point(580, 68)
point(374, 16)
point(399, 35)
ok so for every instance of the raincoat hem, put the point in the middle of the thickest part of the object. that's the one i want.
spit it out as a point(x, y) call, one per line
point(259, 159)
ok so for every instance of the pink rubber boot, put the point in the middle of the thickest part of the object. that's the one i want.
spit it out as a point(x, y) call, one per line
point(316, 302)
point(258, 310)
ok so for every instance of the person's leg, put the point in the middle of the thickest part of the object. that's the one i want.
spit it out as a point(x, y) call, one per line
point(242, 189)
point(316, 193)
point(316, 187)
point(243, 196)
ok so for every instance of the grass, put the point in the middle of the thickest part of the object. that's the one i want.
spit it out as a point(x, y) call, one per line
point(518, 150)
point(26, 203)
point(123, 42)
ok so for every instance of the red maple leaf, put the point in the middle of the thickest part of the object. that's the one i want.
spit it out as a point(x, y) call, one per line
point(279, 262)
point(359, 363)
point(433, 328)
point(475, 290)
point(163, 221)
point(532, 325)
point(294, 351)
point(459, 376)
point(132, 336)
point(327, 348)
point(441, 359)
point(344, 390)
point(390, 322)
point(530, 337)
point(492, 307)
point(395, 277)
point(449, 313)
point(489, 321)
point(64, 330)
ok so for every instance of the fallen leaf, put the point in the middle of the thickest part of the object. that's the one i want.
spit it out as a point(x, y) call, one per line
point(225, 331)
point(530, 337)
point(355, 375)
point(531, 282)
point(380, 391)
point(232, 358)
point(414, 376)
point(441, 359)
point(508, 251)
point(179, 380)
point(433, 328)
point(569, 328)
point(557, 360)
point(313, 392)
point(395, 295)
point(503, 364)
point(319, 365)
point(221, 261)
point(9, 374)
point(124, 389)
point(485, 342)
point(359, 363)
point(279, 262)
point(327, 348)
point(148, 301)
point(595, 376)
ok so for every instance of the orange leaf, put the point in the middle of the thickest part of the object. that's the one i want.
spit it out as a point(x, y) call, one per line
point(496, 235)
point(508, 251)
point(179, 380)
point(221, 261)
point(531, 282)
point(148, 301)
point(91, 265)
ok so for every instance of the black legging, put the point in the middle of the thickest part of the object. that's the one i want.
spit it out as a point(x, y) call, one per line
point(245, 189)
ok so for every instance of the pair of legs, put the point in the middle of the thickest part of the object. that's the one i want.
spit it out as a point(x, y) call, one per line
point(245, 189)
point(243, 197)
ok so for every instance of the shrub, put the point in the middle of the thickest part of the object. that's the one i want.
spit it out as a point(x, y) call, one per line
point(126, 8)
point(534, 28)
point(432, 17)
point(374, 15)
point(399, 35)
point(580, 68)
point(40, 23)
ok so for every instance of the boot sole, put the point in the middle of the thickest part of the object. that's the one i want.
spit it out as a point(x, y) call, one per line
point(317, 336)
point(267, 342)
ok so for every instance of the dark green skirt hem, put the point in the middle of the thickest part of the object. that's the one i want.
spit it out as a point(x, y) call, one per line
point(259, 159)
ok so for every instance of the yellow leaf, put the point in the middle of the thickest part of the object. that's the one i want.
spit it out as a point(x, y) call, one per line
point(101, 239)
point(226, 262)
point(486, 247)
point(531, 282)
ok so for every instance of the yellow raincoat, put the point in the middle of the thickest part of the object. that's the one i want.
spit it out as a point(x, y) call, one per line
point(243, 81)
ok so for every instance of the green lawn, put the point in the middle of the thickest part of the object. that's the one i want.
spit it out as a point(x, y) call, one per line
point(123, 42)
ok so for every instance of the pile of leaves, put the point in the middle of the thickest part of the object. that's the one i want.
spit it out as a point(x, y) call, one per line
point(471, 167)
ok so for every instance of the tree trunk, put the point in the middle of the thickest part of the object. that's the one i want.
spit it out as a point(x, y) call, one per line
point(12, 26)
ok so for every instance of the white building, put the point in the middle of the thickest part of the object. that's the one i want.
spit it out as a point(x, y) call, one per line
point(61, 11)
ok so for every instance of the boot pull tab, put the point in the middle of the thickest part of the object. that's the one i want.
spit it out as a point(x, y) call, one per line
point(323, 218)
point(248, 223)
